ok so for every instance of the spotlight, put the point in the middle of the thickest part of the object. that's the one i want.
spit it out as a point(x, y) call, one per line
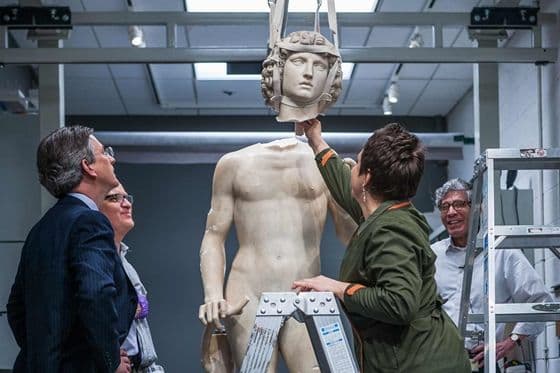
point(416, 41)
point(393, 93)
point(387, 107)
point(136, 36)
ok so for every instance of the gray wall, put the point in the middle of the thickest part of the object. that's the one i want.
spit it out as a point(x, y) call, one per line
point(20, 208)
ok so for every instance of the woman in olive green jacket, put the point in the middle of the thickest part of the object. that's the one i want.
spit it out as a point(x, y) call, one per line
point(387, 274)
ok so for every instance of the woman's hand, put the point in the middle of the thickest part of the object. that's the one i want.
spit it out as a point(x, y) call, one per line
point(313, 131)
point(321, 283)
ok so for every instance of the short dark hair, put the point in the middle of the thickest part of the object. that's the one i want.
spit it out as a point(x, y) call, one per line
point(395, 159)
point(59, 158)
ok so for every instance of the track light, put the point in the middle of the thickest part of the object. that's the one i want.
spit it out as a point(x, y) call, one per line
point(393, 93)
point(387, 107)
point(136, 36)
point(416, 41)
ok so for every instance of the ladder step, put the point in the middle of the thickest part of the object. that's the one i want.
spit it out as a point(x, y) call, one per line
point(528, 312)
point(527, 236)
point(525, 159)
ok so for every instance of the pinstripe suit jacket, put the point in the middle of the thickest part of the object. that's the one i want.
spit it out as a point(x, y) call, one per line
point(71, 304)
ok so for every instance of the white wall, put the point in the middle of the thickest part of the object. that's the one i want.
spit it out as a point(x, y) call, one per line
point(461, 119)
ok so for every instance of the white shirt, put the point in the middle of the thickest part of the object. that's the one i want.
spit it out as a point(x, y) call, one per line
point(130, 344)
point(516, 282)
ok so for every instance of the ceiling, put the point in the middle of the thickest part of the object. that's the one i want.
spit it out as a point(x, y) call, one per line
point(171, 89)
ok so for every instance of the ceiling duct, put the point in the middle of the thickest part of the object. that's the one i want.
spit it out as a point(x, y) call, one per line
point(208, 147)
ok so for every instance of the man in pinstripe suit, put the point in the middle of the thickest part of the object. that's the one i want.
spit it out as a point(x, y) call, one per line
point(71, 303)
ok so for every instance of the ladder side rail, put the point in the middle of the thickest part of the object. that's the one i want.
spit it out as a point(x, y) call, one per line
point(321, 314)
point(489, 276)
point(474, 225)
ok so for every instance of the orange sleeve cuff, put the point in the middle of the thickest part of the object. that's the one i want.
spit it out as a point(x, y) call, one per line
point(326, 157)
point(352, 289)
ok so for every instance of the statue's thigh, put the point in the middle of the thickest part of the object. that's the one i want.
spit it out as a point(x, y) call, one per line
point(296, 349)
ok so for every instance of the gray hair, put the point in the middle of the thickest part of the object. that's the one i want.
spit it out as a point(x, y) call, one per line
point(453, 185)
point(59, 158)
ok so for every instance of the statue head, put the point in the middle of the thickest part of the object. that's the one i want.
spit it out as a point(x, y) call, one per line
point(301, 76)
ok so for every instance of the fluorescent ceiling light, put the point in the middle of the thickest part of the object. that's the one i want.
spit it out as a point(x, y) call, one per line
point(218, 71)
point(227, 6)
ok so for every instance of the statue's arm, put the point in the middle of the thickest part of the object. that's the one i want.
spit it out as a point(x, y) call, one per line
point(344, 225)
point(212, 249)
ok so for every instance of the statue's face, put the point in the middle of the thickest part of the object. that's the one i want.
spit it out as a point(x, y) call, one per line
point(304, 77)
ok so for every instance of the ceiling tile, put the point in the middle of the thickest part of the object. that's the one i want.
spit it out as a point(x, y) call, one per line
point(373, 110)
point(126, 70)
point(175, 92)
point(81, 37)
point(365, 91)
point(352, 37)
point(135, 90)
point(98, 71)
point(385, 36)
point(449, 90)
point(462, 71)
point(159, 5)
point(451, 35)
point(403, 6)
point(417, 71)
point(112, 36)
point(373, 71)
point(228, 93)
point(104, 6)
point(409, 91)
point(463, 40)
point(155, 36)
point(228, 36)
point(431, 108)
point(88, 96)
point(172, 71)
point(454, 5)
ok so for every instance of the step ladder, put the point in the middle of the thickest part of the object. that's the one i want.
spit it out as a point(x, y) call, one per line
point(320, 313)
point(491, 237)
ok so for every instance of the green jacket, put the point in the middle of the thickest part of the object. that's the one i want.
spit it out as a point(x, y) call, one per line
point(396, 315)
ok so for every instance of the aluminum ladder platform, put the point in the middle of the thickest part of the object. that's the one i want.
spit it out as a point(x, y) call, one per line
point(320, 313)
point(491, 237)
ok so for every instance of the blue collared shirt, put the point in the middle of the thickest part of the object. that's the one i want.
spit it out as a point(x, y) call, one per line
point(85, 199)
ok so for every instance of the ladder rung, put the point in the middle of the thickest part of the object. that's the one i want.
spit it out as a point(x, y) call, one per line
point(525, 159)
point(527, 236)
point(513, 312)
point(526, 230)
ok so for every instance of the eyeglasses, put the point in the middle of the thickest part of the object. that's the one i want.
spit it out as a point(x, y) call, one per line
point(108, 151)
point(457, 205)
point(119, 198)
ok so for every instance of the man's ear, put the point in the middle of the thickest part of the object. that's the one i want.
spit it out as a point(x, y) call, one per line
point(87, 169)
